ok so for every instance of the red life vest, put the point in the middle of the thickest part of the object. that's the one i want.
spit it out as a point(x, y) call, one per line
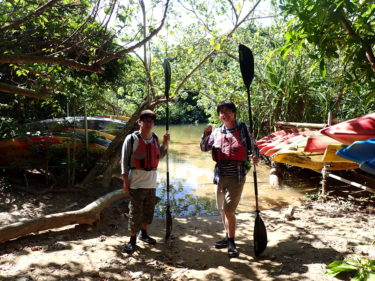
point(229, 147)
point(147, 155)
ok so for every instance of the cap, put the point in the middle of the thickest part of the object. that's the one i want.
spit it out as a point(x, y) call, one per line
point(147, 113)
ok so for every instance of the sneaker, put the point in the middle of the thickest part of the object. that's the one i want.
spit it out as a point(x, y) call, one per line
point(129, 248)
point(223, 243)
point(145, 238)
point(232, 250)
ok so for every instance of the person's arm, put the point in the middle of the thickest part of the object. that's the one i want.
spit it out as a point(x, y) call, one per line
point(207, 139)
point(164, 146)
point(125, 158)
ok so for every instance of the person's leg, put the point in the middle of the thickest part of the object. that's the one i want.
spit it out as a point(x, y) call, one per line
point(230, 220)
point(232, 199)
point(134, 222)
point(230, 223)
point(220, 195)
point(148, 215)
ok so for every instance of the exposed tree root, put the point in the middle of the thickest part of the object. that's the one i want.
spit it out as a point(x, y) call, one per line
point(87, 215)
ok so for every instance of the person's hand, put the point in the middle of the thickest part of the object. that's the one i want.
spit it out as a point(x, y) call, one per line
point(208, 130)
point(254, 159)
point(166, 139)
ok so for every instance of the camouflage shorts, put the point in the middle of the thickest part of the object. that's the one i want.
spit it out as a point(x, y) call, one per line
point(141, 208)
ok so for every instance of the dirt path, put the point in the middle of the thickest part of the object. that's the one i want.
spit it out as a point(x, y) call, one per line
point(298, 249)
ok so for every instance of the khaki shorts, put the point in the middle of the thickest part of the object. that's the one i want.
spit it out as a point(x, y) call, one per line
point(228, 193)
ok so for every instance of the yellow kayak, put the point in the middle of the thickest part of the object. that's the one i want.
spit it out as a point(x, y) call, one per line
point(36, 150)
point(295, 155)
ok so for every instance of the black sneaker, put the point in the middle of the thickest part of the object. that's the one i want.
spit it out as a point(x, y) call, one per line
point(145, 238)
point(129, 248)
point(223, 243)
point(232, 251)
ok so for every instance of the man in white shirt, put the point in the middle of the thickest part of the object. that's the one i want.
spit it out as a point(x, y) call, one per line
point(141, 153)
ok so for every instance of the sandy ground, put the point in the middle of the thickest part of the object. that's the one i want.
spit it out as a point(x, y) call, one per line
point(299, 246)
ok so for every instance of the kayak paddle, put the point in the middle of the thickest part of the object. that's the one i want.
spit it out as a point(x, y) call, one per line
point(168, 218)
point(247, 71)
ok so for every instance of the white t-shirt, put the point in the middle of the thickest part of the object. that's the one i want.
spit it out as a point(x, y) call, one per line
point(138, 178)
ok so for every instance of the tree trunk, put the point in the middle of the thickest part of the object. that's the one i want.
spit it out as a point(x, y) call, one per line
point(105, 165)
point(113, 153)
point(86, 215)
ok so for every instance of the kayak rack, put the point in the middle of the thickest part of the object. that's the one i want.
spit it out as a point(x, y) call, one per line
point(280, 124)
point(325, 173)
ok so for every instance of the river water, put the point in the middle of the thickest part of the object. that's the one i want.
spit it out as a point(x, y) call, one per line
point(191, 179)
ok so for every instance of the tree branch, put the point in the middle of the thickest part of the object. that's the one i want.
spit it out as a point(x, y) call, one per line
point(37, 12)
point(86, 215)
point(210, 54)
point(213, 52)
point(51, 60)
point(369, 53)
point(137, 45)
point(6, 88)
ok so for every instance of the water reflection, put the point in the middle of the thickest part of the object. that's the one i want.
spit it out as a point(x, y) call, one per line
point(191, 179)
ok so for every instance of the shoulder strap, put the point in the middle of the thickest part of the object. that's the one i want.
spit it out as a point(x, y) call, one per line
point(132, 135)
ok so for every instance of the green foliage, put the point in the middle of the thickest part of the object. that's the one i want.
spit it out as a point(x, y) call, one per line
point(358, 269)
point(339, 30)
point(7, 127)
point(304, 68)
point(313, 196)
point(184, 111)
point(64, 30)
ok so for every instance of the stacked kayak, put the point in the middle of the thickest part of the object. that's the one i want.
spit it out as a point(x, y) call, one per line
point(357, 129)
point(102, 124)
point(35, 151)
point(272, 143)
point(294, 154)
point(319, 143)
point(119, 117)
point(57, 141)
point(368, 166)
point(274, 136)
point(316, 149)
point(361, 152)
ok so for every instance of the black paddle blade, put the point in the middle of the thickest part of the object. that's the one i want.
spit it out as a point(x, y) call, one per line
point(246, 64)
point(260, 236)
point(168, 223)
point(167, 76)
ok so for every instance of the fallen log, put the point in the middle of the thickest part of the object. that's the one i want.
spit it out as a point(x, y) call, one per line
point(87, 215)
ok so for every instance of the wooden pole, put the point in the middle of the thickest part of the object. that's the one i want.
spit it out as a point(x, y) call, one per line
point(325, 164)
point(300, 125)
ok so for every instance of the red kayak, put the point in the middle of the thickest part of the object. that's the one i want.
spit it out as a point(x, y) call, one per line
point(277, 141)
point(319, 143)
point(357, 129)
point(283, 144)
point(286, 141)
point(272, 137)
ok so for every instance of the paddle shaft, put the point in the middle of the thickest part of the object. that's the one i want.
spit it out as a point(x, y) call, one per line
point(167, 72)
point(167, 155)
point(168, 210)
point(252, 148)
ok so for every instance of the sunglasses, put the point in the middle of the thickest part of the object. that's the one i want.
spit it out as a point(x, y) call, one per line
point(148, 120)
